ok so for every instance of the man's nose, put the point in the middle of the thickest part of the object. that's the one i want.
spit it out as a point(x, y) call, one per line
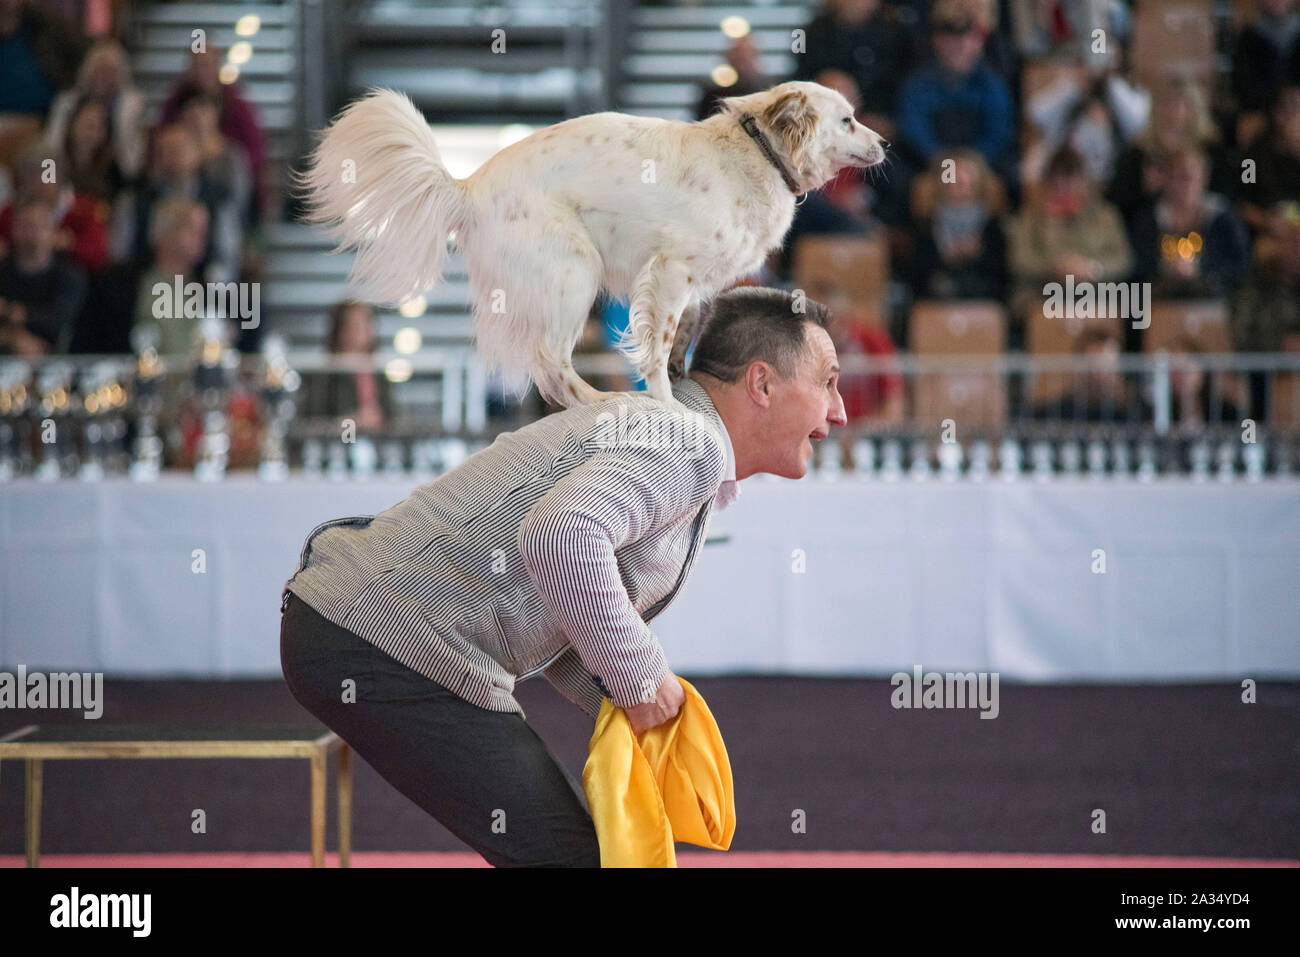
point(836, 416)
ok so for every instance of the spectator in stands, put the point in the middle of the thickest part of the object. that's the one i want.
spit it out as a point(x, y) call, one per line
point(1196, 398)
point(743, 59)
point(126, 298)
point(873, 401)
point(1264, 59)
point(177, 171)
point(999, 46)
point(92, 167)
point(81, 219)
point(1068, 230)
point(1266, 313)
point(362, 395)
point(959, 249)
point(957, 100)
point(1180, 118)
point(239, 119)
point(1098, 114)
point(105, 79)
point(1277, 162)
point(41, 290)
point(1064, 28)
point(225, 162)
point(863, 39)
point(1190, 244)
point(1097, 395)
point(39, 53)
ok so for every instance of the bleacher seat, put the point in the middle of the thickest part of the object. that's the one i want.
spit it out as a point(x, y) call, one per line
point(1173, 38)
point(1054, 336)
point(976, 400)
point(858, 265)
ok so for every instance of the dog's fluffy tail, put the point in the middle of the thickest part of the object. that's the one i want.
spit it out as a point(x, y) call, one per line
point(377, 182)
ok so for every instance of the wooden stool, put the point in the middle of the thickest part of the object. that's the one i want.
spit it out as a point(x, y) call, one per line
point(36, 744)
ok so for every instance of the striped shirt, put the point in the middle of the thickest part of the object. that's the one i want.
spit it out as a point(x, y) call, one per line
point(548, 552)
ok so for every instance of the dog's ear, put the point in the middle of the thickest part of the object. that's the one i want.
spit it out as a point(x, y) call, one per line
point(792, 118)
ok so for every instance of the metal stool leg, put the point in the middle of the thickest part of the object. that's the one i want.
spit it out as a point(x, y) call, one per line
point(345, 806)
point(34, 768)
point(318, 807)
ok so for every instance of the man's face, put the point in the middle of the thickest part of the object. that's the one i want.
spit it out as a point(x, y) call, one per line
point(808, 403)
point(959, 52)
point(190, 236)
point(176, 153)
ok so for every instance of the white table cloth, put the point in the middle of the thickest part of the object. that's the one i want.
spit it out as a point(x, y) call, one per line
point(846, 577)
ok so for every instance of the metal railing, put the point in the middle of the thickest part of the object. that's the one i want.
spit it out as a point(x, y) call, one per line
point(952, 415)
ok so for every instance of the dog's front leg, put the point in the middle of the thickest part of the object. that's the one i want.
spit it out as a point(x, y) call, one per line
point(660, 295)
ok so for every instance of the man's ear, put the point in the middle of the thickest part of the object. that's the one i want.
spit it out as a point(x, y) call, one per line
point(792, 118)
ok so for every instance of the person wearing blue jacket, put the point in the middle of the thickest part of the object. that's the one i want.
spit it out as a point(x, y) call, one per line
point(957, 100)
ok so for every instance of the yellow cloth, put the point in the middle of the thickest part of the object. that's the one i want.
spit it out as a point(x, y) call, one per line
point(671, 782)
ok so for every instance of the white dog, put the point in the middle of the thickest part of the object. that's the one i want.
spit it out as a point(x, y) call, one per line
point(662, 212)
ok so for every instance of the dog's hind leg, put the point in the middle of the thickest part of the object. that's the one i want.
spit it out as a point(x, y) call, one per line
point(687, 328)
point(660, 295)
point(533, 289)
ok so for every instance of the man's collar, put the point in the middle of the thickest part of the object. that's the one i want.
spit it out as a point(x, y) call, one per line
point(696, 398)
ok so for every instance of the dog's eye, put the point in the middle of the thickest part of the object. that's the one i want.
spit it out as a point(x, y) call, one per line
point(848, 122)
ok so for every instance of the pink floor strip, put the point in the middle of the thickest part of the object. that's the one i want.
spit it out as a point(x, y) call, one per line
point(684, 859)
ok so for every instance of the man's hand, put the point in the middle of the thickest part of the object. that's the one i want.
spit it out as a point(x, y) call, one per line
point(667, 702)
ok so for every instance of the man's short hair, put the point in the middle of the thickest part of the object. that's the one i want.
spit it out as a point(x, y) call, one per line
point(756, 323)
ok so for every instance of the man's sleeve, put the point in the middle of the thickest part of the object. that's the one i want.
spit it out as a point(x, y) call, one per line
point(567, 542)
point(570, 677)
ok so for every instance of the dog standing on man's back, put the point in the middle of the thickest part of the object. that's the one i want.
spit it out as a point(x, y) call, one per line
point(662, 212)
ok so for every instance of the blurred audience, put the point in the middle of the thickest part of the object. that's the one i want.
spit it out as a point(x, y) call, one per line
point(177, 171)
point(81, 219)
point(1266, 312)
point(41, 290)
point(1277, 161)
point(39, 53)
point(1097, 112)
point(1180, 118)
point(104, 79)
point(864, 39)
point(959, 249)
point(137, 298)
point(92, 165)
point(1196, 397)
point(1069, 230)
point(739, 77)
point(1190, 243)
point(361, 395)
point(239, 119)
point(1098, 395)
point(957, 100)
point(1264, 58)
point(224, 161)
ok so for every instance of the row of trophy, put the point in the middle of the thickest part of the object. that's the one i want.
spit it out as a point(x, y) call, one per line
point(107, 417)
point(893, 457)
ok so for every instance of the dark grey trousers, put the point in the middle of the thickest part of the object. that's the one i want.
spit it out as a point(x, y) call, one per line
point(486, 776)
